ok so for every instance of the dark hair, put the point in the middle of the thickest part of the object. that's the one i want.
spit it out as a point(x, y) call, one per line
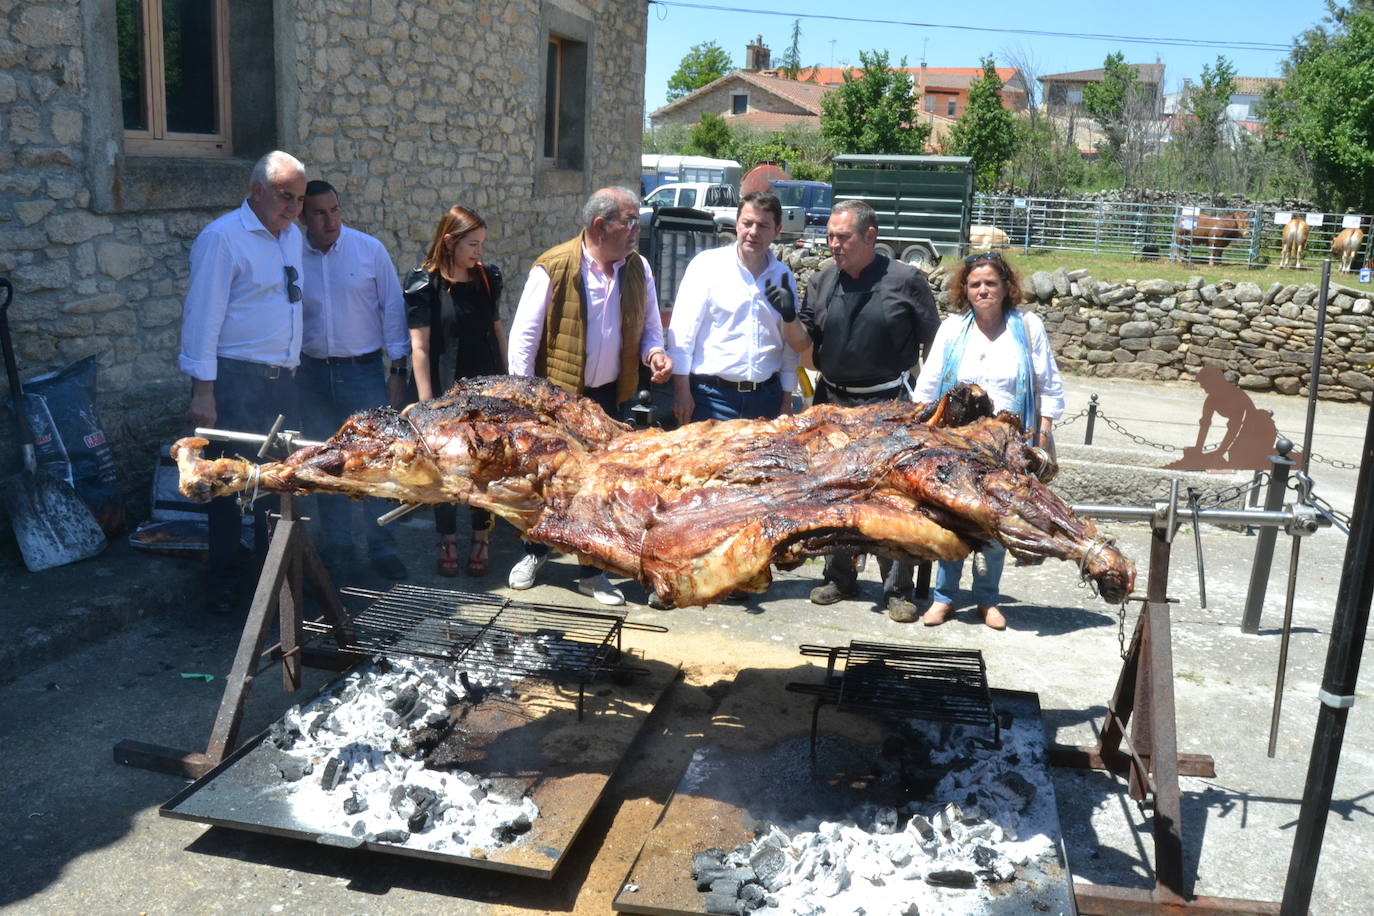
point(319, 186)
point(864, 217)
point(764, 200)
point(959, 302)
point(456, 223)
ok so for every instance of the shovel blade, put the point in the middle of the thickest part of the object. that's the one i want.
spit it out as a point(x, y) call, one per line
point(51, 523)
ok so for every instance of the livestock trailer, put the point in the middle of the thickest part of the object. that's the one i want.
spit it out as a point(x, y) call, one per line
point(922, 202)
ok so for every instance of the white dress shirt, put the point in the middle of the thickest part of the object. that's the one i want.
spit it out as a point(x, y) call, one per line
point(237, 304)
point(722, 323)
point(992, 365)
point(353, 301)
point(602, 364)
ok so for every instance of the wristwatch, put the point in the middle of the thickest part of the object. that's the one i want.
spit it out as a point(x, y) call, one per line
point(398, 368)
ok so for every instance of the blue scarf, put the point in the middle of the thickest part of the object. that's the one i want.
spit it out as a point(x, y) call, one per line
point(1025, 372)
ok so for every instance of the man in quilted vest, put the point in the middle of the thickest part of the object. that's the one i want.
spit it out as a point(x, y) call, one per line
point(587, 319)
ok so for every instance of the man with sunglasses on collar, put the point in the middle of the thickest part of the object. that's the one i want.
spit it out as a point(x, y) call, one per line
point(241, 337)
point(870, 319)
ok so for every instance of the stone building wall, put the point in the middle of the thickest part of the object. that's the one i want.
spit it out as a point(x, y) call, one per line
point(406, 106)
point(1162, 329)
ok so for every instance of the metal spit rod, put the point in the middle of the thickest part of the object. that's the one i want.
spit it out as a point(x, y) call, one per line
point(290, 440)
point(1300, 519)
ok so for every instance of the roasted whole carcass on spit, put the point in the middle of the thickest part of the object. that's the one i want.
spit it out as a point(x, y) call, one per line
point(708, 508)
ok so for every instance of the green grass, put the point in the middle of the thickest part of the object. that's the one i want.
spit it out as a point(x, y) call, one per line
point(1118, 268)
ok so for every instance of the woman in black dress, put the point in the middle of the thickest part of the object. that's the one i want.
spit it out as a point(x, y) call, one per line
point(455, 332)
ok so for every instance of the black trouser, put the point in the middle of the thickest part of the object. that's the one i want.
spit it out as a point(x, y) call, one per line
point(841, 567)
point(246, 400)
point(605, 396)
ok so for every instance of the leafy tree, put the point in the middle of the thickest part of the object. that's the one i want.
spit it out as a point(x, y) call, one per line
point(790, 65)
point(986, 130)
point(1322, 119)
point(1206, 133)
point(1124, 109)
point(873, 111)
point(710, 137)
point(703, 64)
point(669, 139)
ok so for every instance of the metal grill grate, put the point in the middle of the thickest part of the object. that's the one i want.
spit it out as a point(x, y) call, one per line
point(513, 638)
point(927, 682)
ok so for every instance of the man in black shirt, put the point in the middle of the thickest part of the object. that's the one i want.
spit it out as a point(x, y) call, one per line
point(870, 319)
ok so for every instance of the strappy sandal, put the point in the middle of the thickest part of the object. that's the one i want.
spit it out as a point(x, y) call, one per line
point(447, 564)
point(477, 556)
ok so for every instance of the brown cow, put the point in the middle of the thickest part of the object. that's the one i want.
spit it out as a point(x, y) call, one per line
point(1294, 242)
point(1346, 245)
point(1213, 232)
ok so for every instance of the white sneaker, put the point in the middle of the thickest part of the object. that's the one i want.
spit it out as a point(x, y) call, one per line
point(600, 588)
point(522, 573)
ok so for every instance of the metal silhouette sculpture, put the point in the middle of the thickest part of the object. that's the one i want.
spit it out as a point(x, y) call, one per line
point(1250, 431)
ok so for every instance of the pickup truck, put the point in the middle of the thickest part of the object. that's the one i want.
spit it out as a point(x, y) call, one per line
point(812, 197)
point(719, 200)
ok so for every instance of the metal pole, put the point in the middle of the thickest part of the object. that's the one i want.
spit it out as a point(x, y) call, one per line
point(1092, 420)
point(1348, 630)
point(1314, 380)
point(1264, 543)
point(1283, 645)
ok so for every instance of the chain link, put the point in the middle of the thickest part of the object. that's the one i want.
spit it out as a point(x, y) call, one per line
point(1121, 629)
point(1138, 440)
point(1061, 422)
point(1334, 462)
point(1239, 491)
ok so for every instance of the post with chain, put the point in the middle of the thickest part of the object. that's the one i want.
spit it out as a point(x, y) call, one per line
point(1092, 420)
point(1264, 542)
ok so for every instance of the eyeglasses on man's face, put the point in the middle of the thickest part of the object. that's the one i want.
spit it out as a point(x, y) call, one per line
point(982, 256)
point(629, 222)
point(293, 292)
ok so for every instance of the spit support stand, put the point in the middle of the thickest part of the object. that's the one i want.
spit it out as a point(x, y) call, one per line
point(1143, 703)
point(292, 564)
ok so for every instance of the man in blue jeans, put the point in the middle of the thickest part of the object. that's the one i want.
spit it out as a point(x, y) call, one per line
point(241, 338)
point(354, 311)
point(734, 337)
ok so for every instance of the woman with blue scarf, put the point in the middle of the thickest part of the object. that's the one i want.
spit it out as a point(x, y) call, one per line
point(1003, 349)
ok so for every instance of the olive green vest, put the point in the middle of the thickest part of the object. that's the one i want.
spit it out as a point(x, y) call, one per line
point(563, 351)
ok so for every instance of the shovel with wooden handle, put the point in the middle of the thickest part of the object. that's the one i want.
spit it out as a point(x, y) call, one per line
point(51, 523)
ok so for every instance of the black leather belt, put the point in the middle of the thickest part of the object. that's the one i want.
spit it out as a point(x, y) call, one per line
point(741, 387)
point(261, 370)
point(345, 360)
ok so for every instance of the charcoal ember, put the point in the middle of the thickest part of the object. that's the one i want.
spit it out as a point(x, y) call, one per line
point(419, 742)
point(728, 886)
point(884, 821)
point(724, 905)
point(359, 828)
point(403, 704)
point(283, 736)
point(418, 821)
point(392, 836)
point(1021, 787)
point(507, 833)
point(354, 804)
point(911, 909)
point(951, 877)
point(768, 863)
point(923, 831)
point(322, 720)
point(753, 896)
point(947, 817)
point(834, 879)
point(984, 856)
point(333, 772)
point(294, 769)
point(707, 858)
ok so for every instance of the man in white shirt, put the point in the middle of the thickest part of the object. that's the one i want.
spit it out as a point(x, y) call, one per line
point(734, 336)
point(587, 320)
point(353, 311)
point(241, 336)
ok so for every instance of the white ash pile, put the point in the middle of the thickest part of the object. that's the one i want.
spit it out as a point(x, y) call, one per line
point(354, 761)
point(984, 824)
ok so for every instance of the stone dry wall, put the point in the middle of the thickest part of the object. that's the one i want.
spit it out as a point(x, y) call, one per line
point(1162, 329)
point(407, 107)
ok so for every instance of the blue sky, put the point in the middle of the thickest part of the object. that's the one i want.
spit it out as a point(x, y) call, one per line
point(675, 26)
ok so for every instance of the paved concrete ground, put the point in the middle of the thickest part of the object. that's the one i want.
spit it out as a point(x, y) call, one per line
point(98, 650)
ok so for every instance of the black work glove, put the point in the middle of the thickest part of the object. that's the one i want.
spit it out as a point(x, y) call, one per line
point(781, 298)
